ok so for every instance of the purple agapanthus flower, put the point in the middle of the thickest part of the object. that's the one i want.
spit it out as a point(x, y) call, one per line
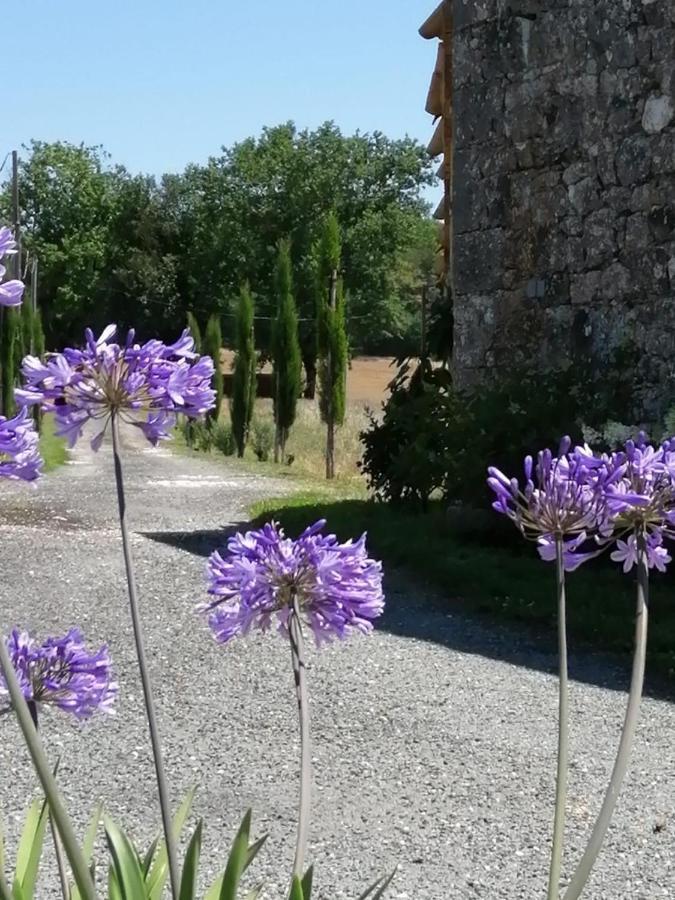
point(337, 587)
point(560, 496)
point(11, 291)
point(62, 672)
point(19, 455)
point(147, 385)
point(593, 501)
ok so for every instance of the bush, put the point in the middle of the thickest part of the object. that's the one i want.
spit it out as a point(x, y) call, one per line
point(223, 439)
point(199, 435)
point(262, 441)
point(432, 440)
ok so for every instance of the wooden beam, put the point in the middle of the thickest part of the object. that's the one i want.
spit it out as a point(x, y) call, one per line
point(434, 104)
point(435, 147)
point(433, 26)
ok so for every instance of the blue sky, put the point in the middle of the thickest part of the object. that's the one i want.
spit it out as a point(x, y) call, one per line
point(161, 83)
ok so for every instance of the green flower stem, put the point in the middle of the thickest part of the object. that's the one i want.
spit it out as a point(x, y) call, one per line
point(597, 837)
point(299, 673)
point(77, 861)
point(60, 863)
point(563, 729)
point(162, 787)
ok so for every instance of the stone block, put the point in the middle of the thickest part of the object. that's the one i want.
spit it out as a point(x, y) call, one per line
point(478, 260)
point(633, 162)
point(658, 113)
point(585, 288)
point(599, 238)
point(584, 195)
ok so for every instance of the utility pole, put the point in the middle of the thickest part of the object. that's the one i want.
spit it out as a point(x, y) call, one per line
point(16, 216)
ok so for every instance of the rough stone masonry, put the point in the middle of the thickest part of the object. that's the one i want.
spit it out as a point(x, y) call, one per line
point(564, 185)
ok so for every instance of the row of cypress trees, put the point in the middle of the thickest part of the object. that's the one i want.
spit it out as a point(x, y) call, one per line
point(332, 346)
point(21, 334)
point(332, 350)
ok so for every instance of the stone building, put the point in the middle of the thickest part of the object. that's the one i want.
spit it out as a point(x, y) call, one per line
point(562, 191)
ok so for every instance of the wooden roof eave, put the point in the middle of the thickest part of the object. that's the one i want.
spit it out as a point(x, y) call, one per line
point(434, 104)
point(435, 147)
point(433, 26)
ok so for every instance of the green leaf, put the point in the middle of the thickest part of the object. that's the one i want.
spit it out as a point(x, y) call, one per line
point(30, 847)
point(188, 881)
point(253, 851)
point(17, 893)
point(125, 862)
point(236, 864)
point(213, 892)
point(307, 881)
point(156, 879)
point(380, 886)
point(149, 856)
point(114, 892)
point(88, 846)
point(296, 889)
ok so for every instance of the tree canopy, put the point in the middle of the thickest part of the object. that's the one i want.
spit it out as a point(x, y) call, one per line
point(134, 249)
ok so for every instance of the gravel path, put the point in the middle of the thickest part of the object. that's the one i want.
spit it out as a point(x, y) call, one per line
point(434, 739)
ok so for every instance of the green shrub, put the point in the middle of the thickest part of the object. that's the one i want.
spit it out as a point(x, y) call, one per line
point(223, 439)
point(262, 439)
point(199, 434)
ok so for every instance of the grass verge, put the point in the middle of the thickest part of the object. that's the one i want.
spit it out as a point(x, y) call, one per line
point(501, 581)
point(52, 448)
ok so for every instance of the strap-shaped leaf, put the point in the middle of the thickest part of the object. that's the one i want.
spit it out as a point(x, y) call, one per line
point(30, 848)
point(88, 846)
point(376, 890)
point(306, 883)
point(114, 892)
point(253, 851)
point(296, 889)
point(236, 864)
point(159, 872)
point(188, 881)
point(149, 856)
point(125, 862)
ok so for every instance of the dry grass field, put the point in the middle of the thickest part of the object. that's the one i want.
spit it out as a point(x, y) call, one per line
point(367, 380)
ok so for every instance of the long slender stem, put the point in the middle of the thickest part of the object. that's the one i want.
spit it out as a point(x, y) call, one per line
point(597, 837)
point(162, 787)
point(299, 673)
point(75, 856)
point(60, 863)
point(563, 729)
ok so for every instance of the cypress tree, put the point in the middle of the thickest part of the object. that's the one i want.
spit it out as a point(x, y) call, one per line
point(332, 343)
point(285, 352)
point(26, 329)
point(10, 348)
point(212, 346)
point(244, 375)
point(38, 335)
point(195, 331)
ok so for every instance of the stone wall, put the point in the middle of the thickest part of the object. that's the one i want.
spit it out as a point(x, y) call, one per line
point(564, 185)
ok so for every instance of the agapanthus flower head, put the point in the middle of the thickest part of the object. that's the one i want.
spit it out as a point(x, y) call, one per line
point(147, 385)
point(11, 291)
point(19, 455)
point(337, 588)
point(62, 672)
point(561, 495)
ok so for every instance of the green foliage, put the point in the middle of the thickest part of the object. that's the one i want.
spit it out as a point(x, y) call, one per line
point(195, 331)
point(432, 439)
point(286, 349)
point(244, 375)
point(262, 439)
point(10, 356)
point(28, 855)
point(128, 248)
point(223, 438)
point(26, 330)
point(212, 346)
point(38, 334)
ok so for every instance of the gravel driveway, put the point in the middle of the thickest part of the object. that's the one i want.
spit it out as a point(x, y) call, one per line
point(434, 740)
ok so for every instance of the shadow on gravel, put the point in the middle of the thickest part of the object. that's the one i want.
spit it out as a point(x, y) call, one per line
point(433, 618)
point(199, 543)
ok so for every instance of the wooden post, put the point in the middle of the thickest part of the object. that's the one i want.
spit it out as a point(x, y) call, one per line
point(33, 301)
point(330, 424)
point(16, 215)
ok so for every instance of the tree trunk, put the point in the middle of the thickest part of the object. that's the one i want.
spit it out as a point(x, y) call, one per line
point(330, 448)
point(310, 377)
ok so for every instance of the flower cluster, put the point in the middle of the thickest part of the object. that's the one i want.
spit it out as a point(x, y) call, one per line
point(19, 455)
point(146, 385)
point(592, 501)
point(11, 292)
point(62, 672)
point(337, 588)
